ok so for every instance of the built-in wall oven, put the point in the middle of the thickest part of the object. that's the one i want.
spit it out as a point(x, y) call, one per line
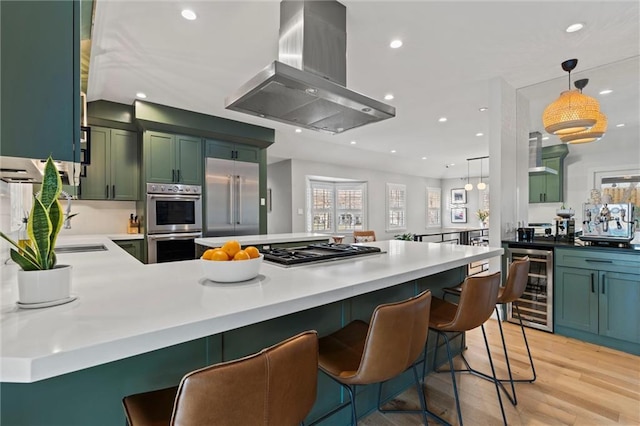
point(173, 221)
point(536, 303)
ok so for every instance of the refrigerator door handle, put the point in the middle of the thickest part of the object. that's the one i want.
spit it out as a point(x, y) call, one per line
point(239, 198)
point(231, 178)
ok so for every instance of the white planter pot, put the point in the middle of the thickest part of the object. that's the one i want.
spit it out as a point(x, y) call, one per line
point(45, 285)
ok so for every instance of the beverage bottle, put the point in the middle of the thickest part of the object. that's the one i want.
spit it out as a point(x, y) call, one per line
point(23, 235)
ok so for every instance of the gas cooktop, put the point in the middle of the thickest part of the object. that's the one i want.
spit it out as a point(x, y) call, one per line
point(314, 253)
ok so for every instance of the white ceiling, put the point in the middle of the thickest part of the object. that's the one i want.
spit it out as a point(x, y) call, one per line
point(451, 51)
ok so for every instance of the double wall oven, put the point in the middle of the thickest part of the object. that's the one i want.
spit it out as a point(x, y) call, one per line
point(174, 221)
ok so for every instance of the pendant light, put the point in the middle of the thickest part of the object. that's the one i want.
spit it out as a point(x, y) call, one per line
point(468, 186)
point(572, 112)
point(481, 185)
point(590, 135)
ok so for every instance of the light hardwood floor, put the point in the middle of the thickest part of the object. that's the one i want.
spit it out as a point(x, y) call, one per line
point(578, 384)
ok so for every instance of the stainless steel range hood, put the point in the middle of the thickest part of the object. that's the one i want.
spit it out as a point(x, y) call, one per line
point(535, 156)
point(306, 86)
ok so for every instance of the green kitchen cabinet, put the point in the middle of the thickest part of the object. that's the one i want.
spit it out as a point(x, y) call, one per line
point(40, 79)
point(232, 151)
point(597, 294)
point(547, 187)
point(114, 172)
point(133, 247)
point(172, 158)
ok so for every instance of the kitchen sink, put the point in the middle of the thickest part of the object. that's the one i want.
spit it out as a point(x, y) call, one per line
point(82, 248)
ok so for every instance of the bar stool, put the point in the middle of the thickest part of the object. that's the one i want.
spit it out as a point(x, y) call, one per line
point(515, 286)
point(478, 297)
point(274, 387)
point(363, 354)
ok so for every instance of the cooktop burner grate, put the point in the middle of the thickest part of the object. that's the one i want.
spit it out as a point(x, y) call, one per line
point(313, 253)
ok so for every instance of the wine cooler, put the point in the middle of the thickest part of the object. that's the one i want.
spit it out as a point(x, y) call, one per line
point(536, 303)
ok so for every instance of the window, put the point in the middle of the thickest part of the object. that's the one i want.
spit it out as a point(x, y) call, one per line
point(336, 206)
point(434, 208)
point(396, 207)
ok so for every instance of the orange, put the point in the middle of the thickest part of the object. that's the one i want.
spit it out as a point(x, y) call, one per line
point(220, 255)
point(252, 252)
point(241, 255)
point(207, 254)
point(231, 247)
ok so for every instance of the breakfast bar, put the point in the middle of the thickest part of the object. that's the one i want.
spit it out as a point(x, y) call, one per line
point(136, 327)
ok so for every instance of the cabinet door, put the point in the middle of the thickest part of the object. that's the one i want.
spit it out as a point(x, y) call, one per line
point(159, 157)
point(95, 186)
point(188, 160)
point(576, 299)
point(247, 153)
point(619, 301)
point(553, 183)
point(133, 247)
point(125, 168)
point(220, 149)
point(536, 188)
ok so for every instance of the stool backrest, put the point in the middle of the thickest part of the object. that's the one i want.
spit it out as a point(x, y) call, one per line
point(275, 387)
point(478, 298)
point(363, 236)
point(517, 279)
point(396, 337)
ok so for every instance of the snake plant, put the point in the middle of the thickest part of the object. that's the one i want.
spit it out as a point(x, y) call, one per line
point(43, 226)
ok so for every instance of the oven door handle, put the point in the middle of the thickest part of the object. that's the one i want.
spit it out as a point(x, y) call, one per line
point(177, 197)
point(176, 236)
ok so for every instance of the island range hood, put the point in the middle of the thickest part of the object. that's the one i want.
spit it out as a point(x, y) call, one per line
point(306, 86)
point(535, 156)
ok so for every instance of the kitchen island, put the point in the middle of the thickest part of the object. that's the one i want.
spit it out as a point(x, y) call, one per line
point(137, 327)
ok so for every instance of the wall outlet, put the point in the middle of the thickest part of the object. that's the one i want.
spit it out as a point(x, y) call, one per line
point(263, 202)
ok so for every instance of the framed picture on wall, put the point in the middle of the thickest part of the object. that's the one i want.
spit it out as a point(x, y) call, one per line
point(459, 215)
point(458, 196)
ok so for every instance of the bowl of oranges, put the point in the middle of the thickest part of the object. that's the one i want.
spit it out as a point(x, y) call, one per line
point(231, 263)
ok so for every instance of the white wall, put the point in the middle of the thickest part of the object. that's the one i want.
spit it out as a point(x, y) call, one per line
point(376, 185)
point(279, 182)
point(474, 201)
point(619, 147)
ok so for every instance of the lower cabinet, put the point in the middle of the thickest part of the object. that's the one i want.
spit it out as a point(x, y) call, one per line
point(601, 300)
point(133, 247)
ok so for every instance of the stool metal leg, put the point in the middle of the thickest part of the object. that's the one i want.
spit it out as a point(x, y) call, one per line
point(352, 395)
point(493, 372)
point(451, 369)
point(526, 343)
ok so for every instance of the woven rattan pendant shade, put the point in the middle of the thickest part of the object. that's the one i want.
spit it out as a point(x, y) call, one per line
point(590, 135)
point(572, 112)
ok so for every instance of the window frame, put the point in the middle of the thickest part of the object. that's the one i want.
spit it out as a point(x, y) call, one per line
point(390, 209)
point(438, 191)
point(335, 209)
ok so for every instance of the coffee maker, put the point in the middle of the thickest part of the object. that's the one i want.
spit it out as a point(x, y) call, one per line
point(565, 229)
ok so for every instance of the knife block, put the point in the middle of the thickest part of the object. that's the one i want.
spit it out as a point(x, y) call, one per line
point(133, 227)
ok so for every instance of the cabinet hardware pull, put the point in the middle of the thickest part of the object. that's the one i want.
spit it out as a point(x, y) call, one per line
point(113, 192)
point(173, 175)
point(598, 261)
point(604, 281)
point(593, 290)
point(178, 173)
point(106, 191)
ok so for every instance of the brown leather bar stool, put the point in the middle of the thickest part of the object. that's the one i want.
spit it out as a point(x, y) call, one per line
point(274, 387)
point(478, 297)
point(364, 354)
point(515, 286)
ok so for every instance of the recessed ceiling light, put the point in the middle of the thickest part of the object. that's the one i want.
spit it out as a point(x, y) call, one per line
point(620, 125)
point(546, 138)
point(483, 109)
point(298, 130)
point(388, 96)
point(574, 27)
point(606, 91)
point(353, 142)
point(395, 44)
point(189, 14)
point(393, 151)
point(479, 134)
point(442, 119)
point(141, 95)
point(424, 158)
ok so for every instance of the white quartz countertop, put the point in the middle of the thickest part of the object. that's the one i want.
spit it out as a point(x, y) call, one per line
point(125, 308)
point(264, 239)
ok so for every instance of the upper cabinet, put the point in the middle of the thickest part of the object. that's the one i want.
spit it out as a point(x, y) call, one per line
point(40, 78)
point(232, 151)
point(114, 172)
point(549, 188)
point(172, 158)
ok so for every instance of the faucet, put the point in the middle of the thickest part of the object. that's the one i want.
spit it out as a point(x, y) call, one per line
point(67, 212)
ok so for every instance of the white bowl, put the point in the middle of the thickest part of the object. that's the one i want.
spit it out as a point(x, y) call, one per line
point(232, 270)
point(565, 213)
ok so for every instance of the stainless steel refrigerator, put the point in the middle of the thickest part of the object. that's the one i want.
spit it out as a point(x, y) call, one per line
point(232, 198)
